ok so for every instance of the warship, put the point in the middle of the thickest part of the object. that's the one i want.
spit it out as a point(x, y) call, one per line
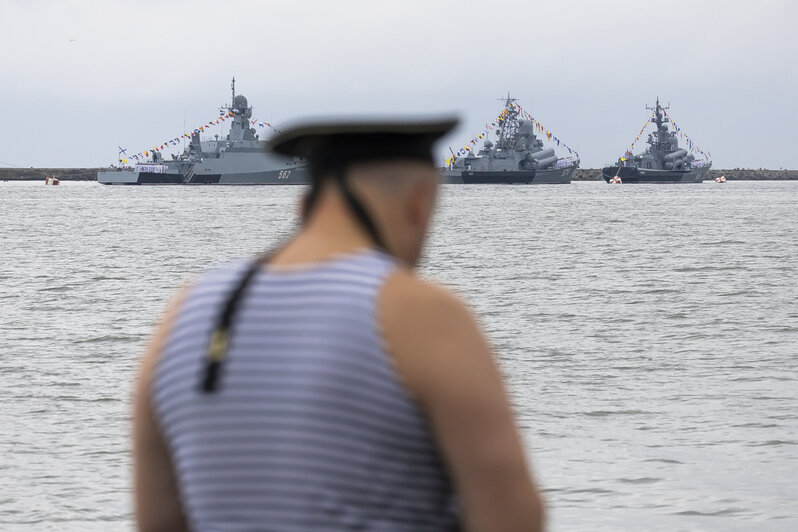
point(517, 156)
point(662, 161)
point(241, 158)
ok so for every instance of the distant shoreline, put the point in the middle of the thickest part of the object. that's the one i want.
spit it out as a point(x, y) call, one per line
point(582, 174)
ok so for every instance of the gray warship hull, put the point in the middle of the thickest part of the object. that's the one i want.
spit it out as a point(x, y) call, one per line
point(551, 176)
point(634, 175)
point(700, 172)
point(253, 169)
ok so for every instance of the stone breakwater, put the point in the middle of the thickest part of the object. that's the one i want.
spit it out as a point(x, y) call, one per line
point(39, 174)
point(582, 174)
point(740, 174)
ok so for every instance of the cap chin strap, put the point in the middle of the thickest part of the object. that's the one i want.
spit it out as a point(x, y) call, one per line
point(360, 212)
point(354, 204)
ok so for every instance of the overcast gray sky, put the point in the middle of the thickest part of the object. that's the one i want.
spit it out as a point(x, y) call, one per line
point(78, 78)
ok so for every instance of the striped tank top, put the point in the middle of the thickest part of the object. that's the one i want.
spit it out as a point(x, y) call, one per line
point(310, 428)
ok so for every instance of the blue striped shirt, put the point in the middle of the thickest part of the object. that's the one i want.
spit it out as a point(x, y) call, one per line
point(311, 428)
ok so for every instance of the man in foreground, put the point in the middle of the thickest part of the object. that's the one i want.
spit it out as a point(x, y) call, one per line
point(326, 386)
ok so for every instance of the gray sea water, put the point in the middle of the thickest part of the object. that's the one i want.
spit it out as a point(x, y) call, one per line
point(649, 336)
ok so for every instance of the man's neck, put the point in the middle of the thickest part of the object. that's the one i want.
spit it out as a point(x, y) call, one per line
point(330, 230)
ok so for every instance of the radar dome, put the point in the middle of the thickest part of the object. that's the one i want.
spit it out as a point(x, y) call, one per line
point(240, 102)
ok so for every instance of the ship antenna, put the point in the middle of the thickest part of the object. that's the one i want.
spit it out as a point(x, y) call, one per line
point(233, 87)
point(505, 129)
point(659, 120)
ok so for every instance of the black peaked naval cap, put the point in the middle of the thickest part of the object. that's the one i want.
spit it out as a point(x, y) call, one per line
point(333, 145)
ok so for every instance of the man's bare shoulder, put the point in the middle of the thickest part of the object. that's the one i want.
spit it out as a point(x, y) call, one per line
point(430, 333)
point(410, 301)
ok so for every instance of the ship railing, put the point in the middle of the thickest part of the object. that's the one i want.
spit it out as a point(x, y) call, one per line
point(152, 168)
point(563, 163)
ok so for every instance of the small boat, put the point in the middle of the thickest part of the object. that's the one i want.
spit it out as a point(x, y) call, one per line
point(616, 180)
point(51, 180)
point(721, 179)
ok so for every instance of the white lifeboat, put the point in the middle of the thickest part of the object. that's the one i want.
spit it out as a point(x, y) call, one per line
point(51, 180)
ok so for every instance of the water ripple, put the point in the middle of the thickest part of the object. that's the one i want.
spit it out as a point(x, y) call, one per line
point(647, 335)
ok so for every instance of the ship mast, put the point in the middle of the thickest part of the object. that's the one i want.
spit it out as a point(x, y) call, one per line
point(509, 126)
point(662, 127)
point(233, 87)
